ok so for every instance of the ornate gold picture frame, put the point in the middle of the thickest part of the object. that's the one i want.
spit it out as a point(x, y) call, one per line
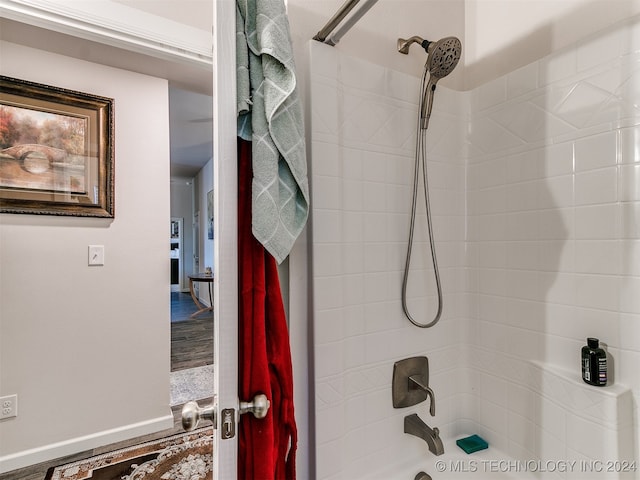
point(56, 151)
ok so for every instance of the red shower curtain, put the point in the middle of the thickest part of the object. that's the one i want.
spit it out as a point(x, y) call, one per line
point(267, 447)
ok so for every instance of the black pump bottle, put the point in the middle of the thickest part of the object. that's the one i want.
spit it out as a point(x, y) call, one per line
point(594, 363)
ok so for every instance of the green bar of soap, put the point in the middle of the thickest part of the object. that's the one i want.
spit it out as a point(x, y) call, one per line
point(472, 444)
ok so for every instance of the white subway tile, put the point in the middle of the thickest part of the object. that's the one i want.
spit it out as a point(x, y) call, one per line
point(374, 167)
point(374, 227)
point(325, 159)
point(329, 359)
point(329, 325)
point(522, 433)
point(353, 317)
point(557, 67)
point(598, 257)
point(361, 74)
point(630, 220)
point(630, 257)
point(352, 161)
point(523, 284)
point(522, 225)
point(374, 196)
point(490, 94)
point(597, 222)
point(558, 287)
point(352, 258)
point(597, 291)
point(522, 80)
point(600, 324)
point(522, 196)
point(325, 60)
point(354, 352)
point(556, 192)
point(596, 186)
point(327, 259)
point(596, 151)
point(556, 223)
point(630, 145)
point(602, 48)
point(375, 257)
point(351, 227)
point(325, 112)
point(556, 255)
point(558, 159)
point(629, 183)
point(328, 292)
point(327, 192)
point(327, 226)
point(578, 107)
point(630, 294)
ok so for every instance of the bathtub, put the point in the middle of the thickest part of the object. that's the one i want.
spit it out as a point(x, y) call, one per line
point(456, 464)
point(491, 463)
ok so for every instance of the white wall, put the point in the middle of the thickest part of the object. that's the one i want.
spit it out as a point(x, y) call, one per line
point(204, 181)
point(540, 231)
point(87, 349)
point(503, 35)
point(182, 207)
point(553, 212)
point(374, 37)
point(498, 36)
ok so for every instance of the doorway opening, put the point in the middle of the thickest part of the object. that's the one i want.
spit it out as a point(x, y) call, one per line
point(191, 250)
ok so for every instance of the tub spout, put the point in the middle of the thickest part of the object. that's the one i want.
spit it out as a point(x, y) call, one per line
point(413, 425)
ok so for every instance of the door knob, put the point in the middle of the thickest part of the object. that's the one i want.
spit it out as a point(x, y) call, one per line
point(192, 413)
point(259, 406)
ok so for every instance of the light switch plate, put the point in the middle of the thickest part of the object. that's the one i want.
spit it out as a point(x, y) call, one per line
point(96, 255)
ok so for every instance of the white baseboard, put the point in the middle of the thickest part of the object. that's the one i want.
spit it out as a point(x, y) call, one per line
point(69, 447)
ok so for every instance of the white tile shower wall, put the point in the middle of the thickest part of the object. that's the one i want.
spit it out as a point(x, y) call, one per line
point(544, 252)
point(363, 137)
point(553, 230)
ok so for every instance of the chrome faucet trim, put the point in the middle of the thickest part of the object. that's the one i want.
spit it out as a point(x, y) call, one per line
point(413, 425)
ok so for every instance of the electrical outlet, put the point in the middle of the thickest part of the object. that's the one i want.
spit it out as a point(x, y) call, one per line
point(8, 406)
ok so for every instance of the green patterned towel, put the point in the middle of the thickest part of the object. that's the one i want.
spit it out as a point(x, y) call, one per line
point(270, 116)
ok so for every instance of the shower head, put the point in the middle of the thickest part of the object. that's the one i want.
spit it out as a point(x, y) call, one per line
point(443, 56)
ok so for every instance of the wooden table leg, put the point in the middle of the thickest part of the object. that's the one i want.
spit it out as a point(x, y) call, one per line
point(201, 307)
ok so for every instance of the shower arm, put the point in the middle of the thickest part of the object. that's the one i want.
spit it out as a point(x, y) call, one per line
point(343, 11)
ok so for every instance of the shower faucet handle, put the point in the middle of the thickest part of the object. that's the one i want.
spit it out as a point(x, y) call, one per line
point(416, 382)
point(410, 384)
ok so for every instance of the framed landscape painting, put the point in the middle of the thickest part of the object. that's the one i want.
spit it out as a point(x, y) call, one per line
point(56, 151)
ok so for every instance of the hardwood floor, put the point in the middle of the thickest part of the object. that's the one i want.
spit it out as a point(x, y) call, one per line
point(191, 346)
point(191, 338)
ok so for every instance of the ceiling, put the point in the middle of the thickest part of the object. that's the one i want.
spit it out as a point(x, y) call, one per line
point(190, 130)
point(190, 110)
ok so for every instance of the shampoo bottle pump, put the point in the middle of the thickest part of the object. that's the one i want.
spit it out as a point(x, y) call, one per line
point(594, 363)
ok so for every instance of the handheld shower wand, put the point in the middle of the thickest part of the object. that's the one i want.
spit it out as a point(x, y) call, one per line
point(443, 56)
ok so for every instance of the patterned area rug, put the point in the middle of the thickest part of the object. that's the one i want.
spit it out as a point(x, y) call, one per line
point(187, 456)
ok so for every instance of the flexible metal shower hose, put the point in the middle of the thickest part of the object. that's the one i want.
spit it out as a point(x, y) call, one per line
point(420, 159)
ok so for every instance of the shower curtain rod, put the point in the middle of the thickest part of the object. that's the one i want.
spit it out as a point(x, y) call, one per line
point(343, 11)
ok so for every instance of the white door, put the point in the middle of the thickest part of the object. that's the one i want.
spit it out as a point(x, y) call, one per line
point(225, 349)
